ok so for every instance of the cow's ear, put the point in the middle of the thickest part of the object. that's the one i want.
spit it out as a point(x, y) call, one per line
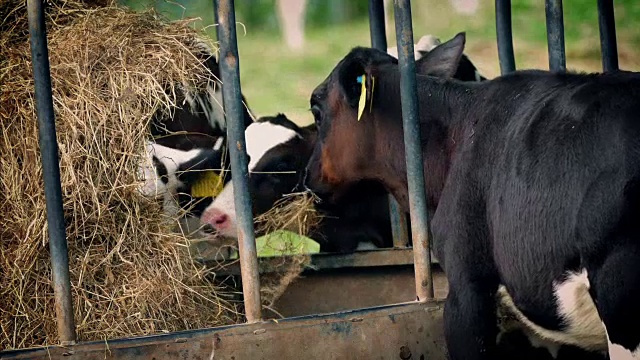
point(444, 59)
point(356, 69)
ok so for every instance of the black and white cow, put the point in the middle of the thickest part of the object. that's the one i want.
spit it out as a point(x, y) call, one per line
point(171, 173)
point(278, 152)
point(188, 146)
point(356, 218)
point(534, 178)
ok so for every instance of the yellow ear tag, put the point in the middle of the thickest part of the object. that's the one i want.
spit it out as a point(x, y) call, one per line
point(373, 83)
point(363, 95)
point(209, 185)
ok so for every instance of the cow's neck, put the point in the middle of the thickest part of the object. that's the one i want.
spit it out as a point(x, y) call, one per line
point(441, 125)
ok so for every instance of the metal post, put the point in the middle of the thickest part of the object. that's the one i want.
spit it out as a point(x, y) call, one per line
point(379, 41)
point(376, 25)
point(555, 35)
point(415, 172)
point(608, 43)
point(215, 19)
point(230, 73)
point(505, 39)
point(51, 173)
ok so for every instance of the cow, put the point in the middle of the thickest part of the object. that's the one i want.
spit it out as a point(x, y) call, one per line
point(188, 146)
point(532, 179)
point(278, 152)
point(356, 219)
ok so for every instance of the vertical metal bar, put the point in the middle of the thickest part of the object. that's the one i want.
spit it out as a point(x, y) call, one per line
point(379, 41)
point(230, 73)
point(505, 39)
point(215, 19)
point(415, 172)
point(608, 44)
point(51, 172)
point(555, 35)
point(399, 224)
point(376, 25)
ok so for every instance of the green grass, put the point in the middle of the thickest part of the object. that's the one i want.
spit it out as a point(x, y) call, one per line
point(275, 80)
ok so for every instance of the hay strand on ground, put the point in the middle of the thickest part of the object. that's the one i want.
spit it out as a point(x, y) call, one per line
point(110, 69)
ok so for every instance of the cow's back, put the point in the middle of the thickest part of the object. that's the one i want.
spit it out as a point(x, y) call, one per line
point(555, 158)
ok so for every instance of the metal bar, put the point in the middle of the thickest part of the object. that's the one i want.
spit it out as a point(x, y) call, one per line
point(376, 25)
point(232, 100)
point(415, 172)
point(215, 19)
point(51, 172)
point(389, 329)
point(505, 39)
point(555, 35)
point(608, 44)
point(325, 261)
point(399, 224)
point(379, 41)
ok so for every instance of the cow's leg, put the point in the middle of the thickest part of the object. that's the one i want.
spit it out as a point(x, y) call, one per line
point(470, 318)
point(616, 289)
point(462, 245)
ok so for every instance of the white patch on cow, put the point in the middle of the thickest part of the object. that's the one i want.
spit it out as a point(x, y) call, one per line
point(618, 352)
point(171, 159)
point(224, 203)
point(583, 327)
point(366, 245)
point(425, 44)
point(264, 136)
point(170, 206)
point(218, 143)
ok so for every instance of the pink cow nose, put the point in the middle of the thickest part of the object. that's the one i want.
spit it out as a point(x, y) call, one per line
point(217, 218)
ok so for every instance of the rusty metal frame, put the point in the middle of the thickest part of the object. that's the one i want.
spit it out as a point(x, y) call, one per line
point(408, 328)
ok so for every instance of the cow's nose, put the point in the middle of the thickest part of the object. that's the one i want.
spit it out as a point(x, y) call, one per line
point(216, 218)
point(220, 219)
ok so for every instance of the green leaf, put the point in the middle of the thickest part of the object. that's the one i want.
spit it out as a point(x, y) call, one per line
point(284, 242)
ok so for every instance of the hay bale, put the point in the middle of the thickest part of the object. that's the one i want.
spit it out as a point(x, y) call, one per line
point(130, 274)
point(296, 214)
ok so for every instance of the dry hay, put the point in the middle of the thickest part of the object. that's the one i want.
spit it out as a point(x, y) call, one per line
point(130, 275)
point(296, 213)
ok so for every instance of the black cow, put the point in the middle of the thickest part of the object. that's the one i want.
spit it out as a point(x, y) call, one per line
point(533, 179)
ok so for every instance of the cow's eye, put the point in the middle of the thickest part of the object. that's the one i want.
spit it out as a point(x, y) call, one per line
point(317, 114)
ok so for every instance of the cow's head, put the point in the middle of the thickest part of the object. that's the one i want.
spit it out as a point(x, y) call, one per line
point(278, 152)
point(350, 145)
point(189, 177)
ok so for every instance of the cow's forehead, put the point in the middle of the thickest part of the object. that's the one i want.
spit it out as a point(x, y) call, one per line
point(264, 136)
